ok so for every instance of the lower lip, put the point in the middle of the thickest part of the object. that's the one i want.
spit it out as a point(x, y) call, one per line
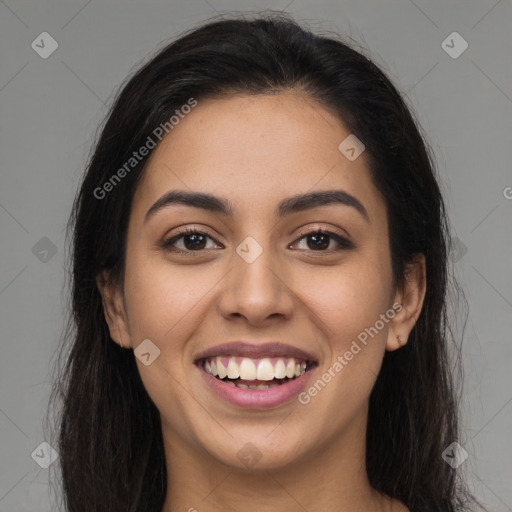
point(257, 398)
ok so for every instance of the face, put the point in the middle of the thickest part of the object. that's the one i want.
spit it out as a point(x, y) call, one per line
point(300, 286)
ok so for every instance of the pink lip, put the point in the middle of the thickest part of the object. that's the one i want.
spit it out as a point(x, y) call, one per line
point(256, 351)
point(256, 398)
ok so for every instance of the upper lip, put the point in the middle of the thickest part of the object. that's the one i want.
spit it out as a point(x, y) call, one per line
point(256, 351)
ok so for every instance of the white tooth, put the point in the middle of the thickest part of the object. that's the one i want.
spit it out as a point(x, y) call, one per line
point(265, 370)
point(280, 369)
point(233, 372)
point(247, 369)
point(273, 385)
point(230, 383)
point(252, 387)
point(303, 367)
point(221, 368)
point(262, 386)
point(213, 368)
point(242, 386)
point(290, 368)
point(297, 370)
point(207, 367)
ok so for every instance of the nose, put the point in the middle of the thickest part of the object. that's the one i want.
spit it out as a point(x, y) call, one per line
point(259, 291)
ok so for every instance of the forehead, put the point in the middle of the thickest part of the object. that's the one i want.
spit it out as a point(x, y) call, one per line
point(255, 150)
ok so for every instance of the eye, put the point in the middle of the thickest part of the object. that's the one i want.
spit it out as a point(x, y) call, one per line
point(194, 240)
point(318, 240)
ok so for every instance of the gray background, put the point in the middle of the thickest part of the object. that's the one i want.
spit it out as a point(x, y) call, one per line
point(50, 109)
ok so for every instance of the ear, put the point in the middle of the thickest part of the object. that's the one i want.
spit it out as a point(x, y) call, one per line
point(114, 309)
point(410, 297)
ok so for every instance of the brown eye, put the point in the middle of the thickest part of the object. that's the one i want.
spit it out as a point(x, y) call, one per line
point(320, 240)
point(192, 240)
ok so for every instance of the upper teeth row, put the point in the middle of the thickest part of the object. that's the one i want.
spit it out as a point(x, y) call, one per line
point(254, 369)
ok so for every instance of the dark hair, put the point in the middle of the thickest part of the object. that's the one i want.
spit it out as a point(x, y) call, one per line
point(110, 440)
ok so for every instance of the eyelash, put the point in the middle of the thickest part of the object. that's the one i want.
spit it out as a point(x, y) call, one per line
point(344, 244)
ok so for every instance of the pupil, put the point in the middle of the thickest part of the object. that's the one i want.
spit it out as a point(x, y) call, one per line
point(320, 243)
point(196, 240)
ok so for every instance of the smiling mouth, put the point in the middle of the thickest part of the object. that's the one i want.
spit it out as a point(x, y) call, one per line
point(255, 374)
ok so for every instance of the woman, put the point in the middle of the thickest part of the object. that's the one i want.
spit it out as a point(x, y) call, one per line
point(259, 277)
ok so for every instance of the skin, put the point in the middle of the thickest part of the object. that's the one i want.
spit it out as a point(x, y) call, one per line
point(256, 151)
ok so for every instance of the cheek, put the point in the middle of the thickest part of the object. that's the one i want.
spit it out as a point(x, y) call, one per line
point(162, 306)
point(351, 301)
point(163, 298)
point(348, 300)
point(348, 304)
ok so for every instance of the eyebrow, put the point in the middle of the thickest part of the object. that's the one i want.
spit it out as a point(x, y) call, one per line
point(293, 204)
